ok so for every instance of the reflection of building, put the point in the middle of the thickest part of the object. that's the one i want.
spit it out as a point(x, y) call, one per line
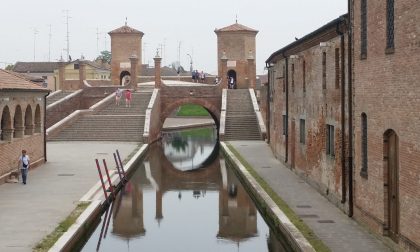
point(128, 210)
point(237, 213)
point(237, 218)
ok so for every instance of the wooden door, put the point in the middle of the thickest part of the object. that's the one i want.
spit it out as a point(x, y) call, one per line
point(293, 143)
point(393, 199)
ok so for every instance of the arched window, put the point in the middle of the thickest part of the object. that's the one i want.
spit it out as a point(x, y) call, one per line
point(6, 125)
point(18, 123)
point(38, 119)
point(389, 26)
point(364, 146)
point(363, 29)
point(29, 126)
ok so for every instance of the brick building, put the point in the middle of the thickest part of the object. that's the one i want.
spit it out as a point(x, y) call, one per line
point(236, 55)
point(386, 118)
point(126, 52)
point(22, 108)
point(306, 108)
point(371, 171)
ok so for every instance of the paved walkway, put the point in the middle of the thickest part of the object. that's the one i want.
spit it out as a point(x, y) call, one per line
point(173, 123)
point(29, 212)
point(339, 232)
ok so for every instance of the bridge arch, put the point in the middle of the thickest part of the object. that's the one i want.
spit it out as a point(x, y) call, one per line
point(210, 107)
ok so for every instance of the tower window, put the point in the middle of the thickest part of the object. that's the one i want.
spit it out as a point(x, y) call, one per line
point(324, 70)
point(337, 67)
point(304, 76)
point(363, 29)
point(390, 25)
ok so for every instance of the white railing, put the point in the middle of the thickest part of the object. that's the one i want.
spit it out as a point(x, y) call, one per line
point(261, 124)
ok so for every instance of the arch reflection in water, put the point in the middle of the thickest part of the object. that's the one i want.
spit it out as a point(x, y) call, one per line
point(190, 149)
point(165, 209)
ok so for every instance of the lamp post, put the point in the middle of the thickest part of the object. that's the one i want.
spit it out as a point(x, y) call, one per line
point(191, 62)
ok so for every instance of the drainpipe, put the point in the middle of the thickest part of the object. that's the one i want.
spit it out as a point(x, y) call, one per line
point(267, 112)
point(350, 108)
point(287, 108)
point(343, 116)
point(45, 128)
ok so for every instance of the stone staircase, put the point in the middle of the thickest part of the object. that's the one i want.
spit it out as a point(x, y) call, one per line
point(241, 121)
point(112, 123)
point(59, 96)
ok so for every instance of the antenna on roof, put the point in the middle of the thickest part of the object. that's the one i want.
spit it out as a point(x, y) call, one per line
point(125, 21)
point(236, 18)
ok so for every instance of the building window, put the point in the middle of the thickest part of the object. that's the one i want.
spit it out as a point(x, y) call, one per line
point(76, 66)
point(364, 143)
point(363, 29)
point(284, 79)
point(284, 125)
point(293, 77)
point(302, 131)
point(324, 70)
point(390, 25)
point(330, 140)
point(337, 67)
point(304, 76)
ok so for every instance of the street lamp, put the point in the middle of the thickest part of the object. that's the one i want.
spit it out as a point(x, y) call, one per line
point(191, 62)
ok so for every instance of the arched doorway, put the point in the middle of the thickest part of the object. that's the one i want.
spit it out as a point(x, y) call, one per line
point(29, 126)
point(231, 77)
point(37, 119)
point(391, 179)
point(6, 125)
point(18, 123)
point(124, 78)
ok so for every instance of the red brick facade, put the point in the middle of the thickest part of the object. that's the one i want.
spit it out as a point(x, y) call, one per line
point(374, 172)
point(387, 91)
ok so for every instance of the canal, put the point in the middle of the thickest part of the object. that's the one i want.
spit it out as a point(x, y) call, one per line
point(183, 197)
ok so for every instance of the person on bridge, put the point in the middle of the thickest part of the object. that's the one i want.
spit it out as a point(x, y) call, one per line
point(118, 94)
point(128, 98)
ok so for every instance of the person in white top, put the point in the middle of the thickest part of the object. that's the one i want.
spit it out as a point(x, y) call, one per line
point(118, 94)
point(23, 164)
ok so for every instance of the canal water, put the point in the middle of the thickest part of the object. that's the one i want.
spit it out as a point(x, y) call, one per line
point(183, 197)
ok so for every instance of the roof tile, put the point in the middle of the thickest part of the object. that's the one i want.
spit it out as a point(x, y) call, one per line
point(10, 80)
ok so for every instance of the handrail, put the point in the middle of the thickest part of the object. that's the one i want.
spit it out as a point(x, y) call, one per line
point(148, 114)
point(261, 124)
point(67, 97)
point(223, 115)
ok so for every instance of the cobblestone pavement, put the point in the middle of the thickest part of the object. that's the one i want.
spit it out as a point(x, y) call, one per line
point(29, 212)
point(336, 229)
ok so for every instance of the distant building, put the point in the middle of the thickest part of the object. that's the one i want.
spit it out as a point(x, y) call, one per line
point(22, 106)
point(37, 70)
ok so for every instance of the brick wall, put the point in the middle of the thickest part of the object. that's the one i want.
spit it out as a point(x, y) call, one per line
point(387, 89)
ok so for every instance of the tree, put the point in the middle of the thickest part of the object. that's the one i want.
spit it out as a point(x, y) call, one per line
point(9, 67)
point(105, 56)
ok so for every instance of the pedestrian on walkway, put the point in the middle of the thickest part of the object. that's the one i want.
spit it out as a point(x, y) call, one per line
point(23, 165)
point(128, 98)
point(118, 94)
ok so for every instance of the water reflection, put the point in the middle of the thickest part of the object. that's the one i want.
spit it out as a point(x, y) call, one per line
point(188, 150)
point(163, 208)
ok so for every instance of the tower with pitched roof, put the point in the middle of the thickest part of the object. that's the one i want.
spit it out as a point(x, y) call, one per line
point(125, 44)
point(236, 54)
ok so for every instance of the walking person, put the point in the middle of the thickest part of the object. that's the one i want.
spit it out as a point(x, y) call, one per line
point(23, 164)
point(118, 94)
point(128, 98)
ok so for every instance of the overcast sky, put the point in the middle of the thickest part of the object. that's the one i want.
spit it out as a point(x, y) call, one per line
point(171, 23)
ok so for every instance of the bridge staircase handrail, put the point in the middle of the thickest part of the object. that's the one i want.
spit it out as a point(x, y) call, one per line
point(261, 124)
point(223, 115)
point(65, 98)
point(148, 115)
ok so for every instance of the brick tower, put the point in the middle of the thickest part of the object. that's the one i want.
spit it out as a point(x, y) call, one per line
point(236, 54)
point(125, 44)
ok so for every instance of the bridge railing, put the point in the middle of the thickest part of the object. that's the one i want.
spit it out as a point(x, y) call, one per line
point(261, 124)
point(223, 115)
point(151, 117)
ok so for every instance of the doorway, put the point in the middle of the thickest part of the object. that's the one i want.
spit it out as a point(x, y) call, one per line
point(391, 178)
point(124, 78)
point(293, 144)
point(231, 79)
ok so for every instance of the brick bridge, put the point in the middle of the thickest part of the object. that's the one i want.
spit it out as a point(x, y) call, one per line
point(169, 95)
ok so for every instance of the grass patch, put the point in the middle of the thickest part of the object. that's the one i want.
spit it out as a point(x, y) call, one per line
point(192, 110)
point(46, 243)
point(307, 232)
